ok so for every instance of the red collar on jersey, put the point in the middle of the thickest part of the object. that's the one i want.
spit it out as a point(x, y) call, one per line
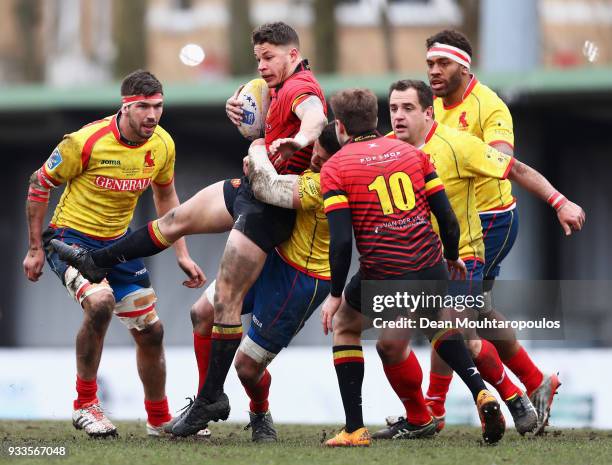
point(302, 66)
point(468, 91)
point(365, 136)
point(431, 132)
point(117, 133)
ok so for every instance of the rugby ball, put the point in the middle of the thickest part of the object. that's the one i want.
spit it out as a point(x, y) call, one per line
point(255, 98)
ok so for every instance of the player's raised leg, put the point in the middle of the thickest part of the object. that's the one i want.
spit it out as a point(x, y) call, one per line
point(205, 212)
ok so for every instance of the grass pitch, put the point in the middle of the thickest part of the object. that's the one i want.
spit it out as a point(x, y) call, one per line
point(300, 444)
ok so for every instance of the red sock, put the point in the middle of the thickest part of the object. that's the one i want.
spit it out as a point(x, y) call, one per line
point(157, 411)
point(492, 371)
point(436, 393)
point(259, 394)
point(201, 346)
point(523, 367)
point(86, 392)
point(405, 379)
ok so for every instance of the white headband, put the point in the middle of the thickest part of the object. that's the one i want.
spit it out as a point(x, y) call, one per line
point(450, 52)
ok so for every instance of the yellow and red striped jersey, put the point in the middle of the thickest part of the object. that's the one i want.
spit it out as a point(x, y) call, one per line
point(385, 183)
point(482, 113)
point(105, 177)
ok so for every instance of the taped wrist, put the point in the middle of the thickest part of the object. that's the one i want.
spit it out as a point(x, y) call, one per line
point(39, 189)
point(557, 200)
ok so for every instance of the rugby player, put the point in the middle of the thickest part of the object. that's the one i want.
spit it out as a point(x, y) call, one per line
point(106, 167)
point(295, 119)
point(370, 182)
point(292, 284)
point(461, 160)
point(462, 102)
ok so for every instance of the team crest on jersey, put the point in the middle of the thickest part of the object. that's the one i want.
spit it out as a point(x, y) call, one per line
point(54, 160)
point(236, 183)
point(463, 120)
point(149, 160)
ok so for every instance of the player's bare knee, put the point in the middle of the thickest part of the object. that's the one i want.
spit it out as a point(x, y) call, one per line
point(173, 224)
point(389, 351)
point(248, 370)
point(347, 323)
point(151, 336)
point(98, 309)
point(169, 219)
point(474, 345)
point(202, 312)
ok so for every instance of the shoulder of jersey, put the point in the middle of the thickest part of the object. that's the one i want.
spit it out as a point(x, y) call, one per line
point(311, 174)
point(482, 90)
point(161, 132)
point(83, 134)
point(302, 78)
point(451, 135)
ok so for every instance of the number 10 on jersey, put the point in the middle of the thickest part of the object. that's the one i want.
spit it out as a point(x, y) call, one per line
point(396, 192)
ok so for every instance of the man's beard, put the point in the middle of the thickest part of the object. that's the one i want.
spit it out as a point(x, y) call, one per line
point(137, 129)
point(453, 84)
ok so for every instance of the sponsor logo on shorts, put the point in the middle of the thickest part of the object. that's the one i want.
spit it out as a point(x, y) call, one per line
point(54, 160)
point(257, 322)
point(140, 272)
point(236, 182)
point(122, 184)
point(110, 162)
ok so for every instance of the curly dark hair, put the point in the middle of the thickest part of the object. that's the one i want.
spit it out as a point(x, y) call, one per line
point(276, 34)
point(451, 37)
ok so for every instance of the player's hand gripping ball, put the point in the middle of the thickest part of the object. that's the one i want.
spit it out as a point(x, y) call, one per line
point(255, 99)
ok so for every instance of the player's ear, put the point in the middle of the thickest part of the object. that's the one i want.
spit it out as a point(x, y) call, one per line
point(294, 53)
point(341, 132)
point(429, 113)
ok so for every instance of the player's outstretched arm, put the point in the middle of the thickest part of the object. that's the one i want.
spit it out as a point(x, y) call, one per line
point(313, 120)
point(269, 186)
point(36, 210)
point(571, 216)
point(165, 199)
